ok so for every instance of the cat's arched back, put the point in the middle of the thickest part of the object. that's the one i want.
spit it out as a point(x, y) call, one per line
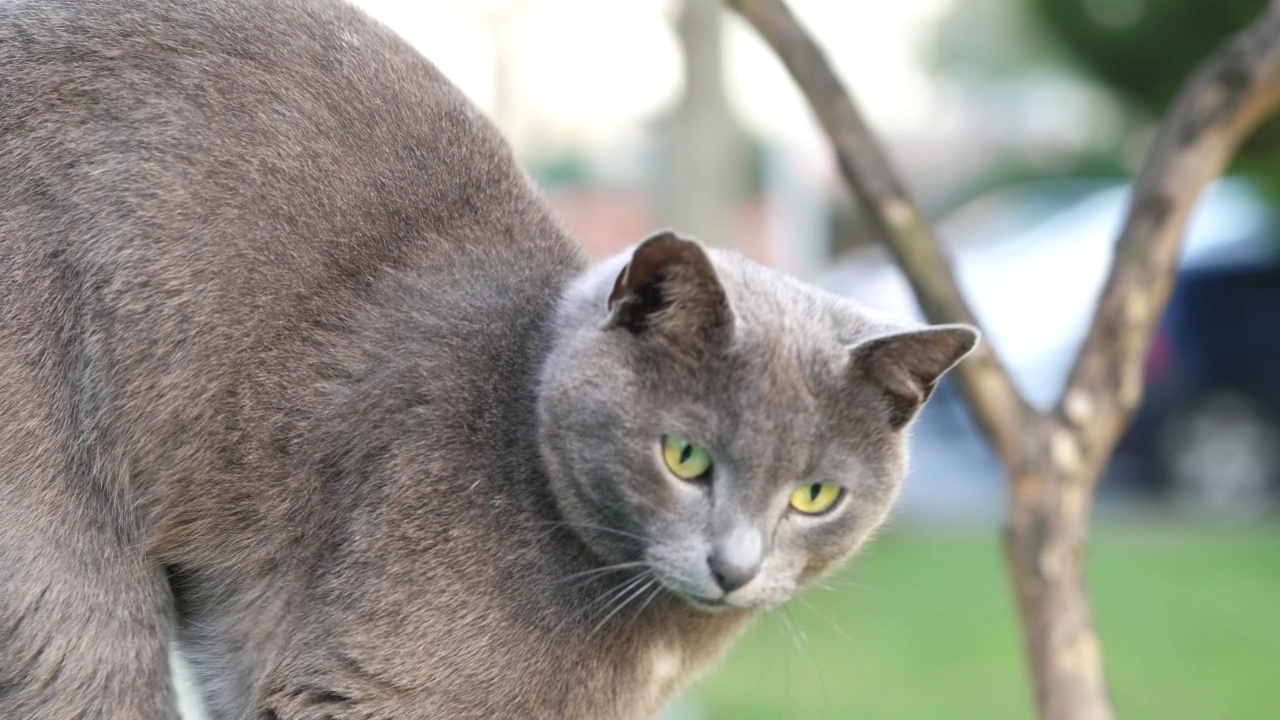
point(297, 369)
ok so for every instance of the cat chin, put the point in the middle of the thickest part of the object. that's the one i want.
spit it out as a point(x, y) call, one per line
point(708, 605)
point(714, 606)
point(723, 603)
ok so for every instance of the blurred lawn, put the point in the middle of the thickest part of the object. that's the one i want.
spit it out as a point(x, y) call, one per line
point(1189, 616)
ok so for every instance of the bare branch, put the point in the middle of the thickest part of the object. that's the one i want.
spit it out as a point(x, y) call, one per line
point(985, 382)
point(1054, 459)
point(1215, 110)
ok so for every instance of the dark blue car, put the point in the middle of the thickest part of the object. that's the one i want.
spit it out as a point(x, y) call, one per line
point(1208, 431)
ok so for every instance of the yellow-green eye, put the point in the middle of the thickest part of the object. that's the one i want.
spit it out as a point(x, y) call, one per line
point(815, 499)
point(686, 460)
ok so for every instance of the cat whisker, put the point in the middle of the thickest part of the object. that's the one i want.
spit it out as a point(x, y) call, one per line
point(791, 629)
point(801, 640)
point(629, 598)
point(786, 666)
point(607, 596)
point(825, 618)
point(590, 526)
point(617, 591)
point(833, 584)
point(606, 569)
point(657, 589)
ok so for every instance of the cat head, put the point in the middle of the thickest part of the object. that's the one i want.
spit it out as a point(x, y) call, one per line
point(731, 430)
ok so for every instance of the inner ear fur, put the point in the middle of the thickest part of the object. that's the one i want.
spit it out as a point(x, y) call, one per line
point(907, 365)
point(669, 288)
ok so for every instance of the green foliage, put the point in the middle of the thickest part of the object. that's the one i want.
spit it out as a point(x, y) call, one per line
point(1143, 48)
point(1146, 49)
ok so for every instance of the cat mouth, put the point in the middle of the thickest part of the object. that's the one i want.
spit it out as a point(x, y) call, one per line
point(741, 603)
point(707, 604)
point(712, 605)
point(695, 598)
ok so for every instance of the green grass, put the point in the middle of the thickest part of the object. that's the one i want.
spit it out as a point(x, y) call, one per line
point(1189, 617)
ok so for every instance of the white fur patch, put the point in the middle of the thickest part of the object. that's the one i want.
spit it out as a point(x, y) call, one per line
point(667, 665)
point(190, 707)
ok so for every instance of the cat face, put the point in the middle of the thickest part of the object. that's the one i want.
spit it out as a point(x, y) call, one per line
point(726, 428)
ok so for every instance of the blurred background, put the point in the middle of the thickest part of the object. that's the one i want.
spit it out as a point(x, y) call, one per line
point(1016, 123)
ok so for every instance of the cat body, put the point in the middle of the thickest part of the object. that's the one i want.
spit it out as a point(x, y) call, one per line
point(299, 371)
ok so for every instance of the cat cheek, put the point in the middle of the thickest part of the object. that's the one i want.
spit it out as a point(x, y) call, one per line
point(776, 584)
point(823, 557)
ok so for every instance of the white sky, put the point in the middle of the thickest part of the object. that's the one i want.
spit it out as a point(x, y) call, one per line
point(592, 70)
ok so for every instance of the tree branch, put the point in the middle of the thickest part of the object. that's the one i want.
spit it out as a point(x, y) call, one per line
point(999, 409)
point(1213, 113)
point(1054, 459)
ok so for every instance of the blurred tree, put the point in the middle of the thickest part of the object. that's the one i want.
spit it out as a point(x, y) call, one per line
point(993, 39)
point(1055, 457)
point(1139, 49)
point(706, 159)
point(1001, 55)
point(1143, 48)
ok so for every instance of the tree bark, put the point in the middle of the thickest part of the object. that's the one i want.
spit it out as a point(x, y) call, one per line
point(1046, 532)
point(1216, 109)
point(705, 153)
point(1054, 459)
point(895, 218)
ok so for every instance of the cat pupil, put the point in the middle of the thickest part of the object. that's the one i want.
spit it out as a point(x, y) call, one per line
point(685, 453)
point(814, 489)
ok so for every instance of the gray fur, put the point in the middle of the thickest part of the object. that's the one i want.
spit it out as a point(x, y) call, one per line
point(298, 369)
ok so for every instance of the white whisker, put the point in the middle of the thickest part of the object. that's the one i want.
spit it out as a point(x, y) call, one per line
point(629, 598)
point(657, 589)
point(606, 569)
point(826, 618)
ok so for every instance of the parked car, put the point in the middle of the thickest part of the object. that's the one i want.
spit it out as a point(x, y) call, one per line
point(1032, 260)
point(1209, 427)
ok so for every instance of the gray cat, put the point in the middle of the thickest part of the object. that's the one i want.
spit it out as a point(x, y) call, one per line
point(297, 370)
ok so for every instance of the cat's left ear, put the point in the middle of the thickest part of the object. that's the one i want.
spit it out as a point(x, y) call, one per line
point(670, 289)
point(907, 365)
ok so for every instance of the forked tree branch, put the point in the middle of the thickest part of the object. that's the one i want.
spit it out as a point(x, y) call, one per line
point(1213, 113)
point(895, 217)
point(1054, 459)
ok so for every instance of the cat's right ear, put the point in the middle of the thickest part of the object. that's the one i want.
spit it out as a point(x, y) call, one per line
point(905, 366)
point(670, 288)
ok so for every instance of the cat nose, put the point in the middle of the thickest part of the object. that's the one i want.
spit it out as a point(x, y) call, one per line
point(736, 561)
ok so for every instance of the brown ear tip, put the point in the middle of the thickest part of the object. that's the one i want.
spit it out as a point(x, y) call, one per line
point(664, 239)
point(665, 249)
point(668, 272)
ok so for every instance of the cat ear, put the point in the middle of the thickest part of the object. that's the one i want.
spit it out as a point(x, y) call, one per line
point(670, 287)
point(907, 365)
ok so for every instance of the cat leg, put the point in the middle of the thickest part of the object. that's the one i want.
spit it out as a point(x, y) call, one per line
point(84, 621)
